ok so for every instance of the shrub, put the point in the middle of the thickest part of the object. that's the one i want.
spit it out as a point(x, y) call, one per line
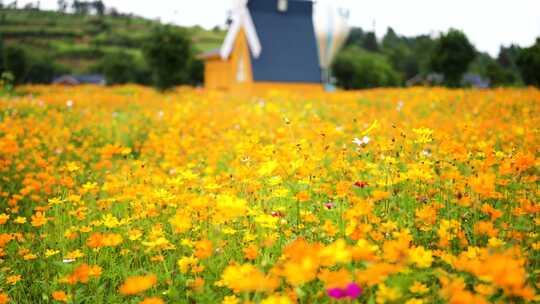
point(358, 69)
point(168, 53)
point(452, 55)
point(16, 62)
point(528, 62)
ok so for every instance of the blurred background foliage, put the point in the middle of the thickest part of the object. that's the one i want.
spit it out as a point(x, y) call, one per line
point(36, 46)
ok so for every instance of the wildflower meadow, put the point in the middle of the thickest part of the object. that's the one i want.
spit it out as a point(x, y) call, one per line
point(126, 195)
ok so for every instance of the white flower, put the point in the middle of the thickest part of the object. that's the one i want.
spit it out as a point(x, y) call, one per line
point(400, 105)
point(360, 142)
point(69, 103)
point(67, 261)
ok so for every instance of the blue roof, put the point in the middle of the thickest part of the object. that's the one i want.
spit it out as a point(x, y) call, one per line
point(289, 46)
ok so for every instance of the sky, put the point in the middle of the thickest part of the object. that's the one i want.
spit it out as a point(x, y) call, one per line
point(488, 23)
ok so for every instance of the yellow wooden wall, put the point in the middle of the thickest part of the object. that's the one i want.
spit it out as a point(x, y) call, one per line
point(222, 74)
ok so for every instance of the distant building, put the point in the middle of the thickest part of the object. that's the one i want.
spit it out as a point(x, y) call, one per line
point(475, 81)
point(435, 79)
point(431, 79)
point(72, 80)
point(271, 44)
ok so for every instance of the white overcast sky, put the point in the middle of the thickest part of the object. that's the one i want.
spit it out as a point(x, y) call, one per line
point(488, 23)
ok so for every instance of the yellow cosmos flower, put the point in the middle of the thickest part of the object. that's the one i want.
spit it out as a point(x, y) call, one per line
point(13, 279)
point(72, 167)
point(231, 207)
point(55, 201)
point(387, 294)
point(275, 299)
point(421, 257)
point(418, 288)
point(29, 256)
point(185, 263)
point(230, 300)
point(3, 218)
point(19, 220)
point(73, 255)
point(51, 252)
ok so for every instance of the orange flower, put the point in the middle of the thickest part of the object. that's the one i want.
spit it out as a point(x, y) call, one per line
point(103, 240)
point(39, 219)
point(153, 300)
point(136, 284)
point(82, 274)
point(95, 240)
point(196, 284)
point(484, 185)
point(60, 296)
point(335, 279)
point(343, 188)
point(486, 228)
point(247, 277)
point(4, 299)
point(251, 252)
point(204, 249)
point(376, 273)
point(5, 238)
point(302, 196)
point(378, 195)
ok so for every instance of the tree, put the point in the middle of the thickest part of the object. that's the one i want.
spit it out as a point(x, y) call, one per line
point(421, 48)
point(42, 70)
point(1, 55)
point(480, 64)
point(508, 56)
point(452, 55)
point(370, 42)
point(356, 37)
point(168, 53)
point(196, 72)
point(99, 7)
point(357, 69)
point(16, 62)
point(81, 7)
point(500, 76)
point(62, 6)
point(390, 39)
point(118, 68)
point(528, 62)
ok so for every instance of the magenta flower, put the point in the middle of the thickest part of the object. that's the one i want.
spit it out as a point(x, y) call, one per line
point(352, 291)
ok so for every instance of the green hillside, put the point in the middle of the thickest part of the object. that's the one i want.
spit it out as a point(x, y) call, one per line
point(79, 41)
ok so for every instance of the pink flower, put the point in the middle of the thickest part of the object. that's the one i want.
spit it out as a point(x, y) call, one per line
point(352, 291)
point(329, 205)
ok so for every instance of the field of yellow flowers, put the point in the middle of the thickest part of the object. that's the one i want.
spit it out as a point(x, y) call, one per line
point(126, 195)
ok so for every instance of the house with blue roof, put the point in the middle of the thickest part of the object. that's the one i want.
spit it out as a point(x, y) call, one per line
point(271, 44)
